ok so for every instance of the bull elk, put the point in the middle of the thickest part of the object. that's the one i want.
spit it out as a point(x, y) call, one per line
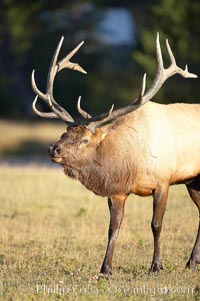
point(141, 148)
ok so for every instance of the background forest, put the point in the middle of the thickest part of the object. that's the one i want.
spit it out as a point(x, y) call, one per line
point(30, 31)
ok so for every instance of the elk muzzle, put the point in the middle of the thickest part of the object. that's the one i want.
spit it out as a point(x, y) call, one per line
point(55, 153)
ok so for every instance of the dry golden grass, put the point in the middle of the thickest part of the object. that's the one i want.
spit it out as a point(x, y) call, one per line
point(54, 233)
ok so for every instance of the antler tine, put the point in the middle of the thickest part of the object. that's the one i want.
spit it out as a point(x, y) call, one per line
point(53, 69)
point(97, 121)
point(185, 73)
point(35, 88)
point(83, 113)
point(139, 101)
point(141, 94)
point(172, 58)
point(103, 117)
point(158, 81)
point(74, 51)
point(65, 62)
point(42, 114)
point(159, 53)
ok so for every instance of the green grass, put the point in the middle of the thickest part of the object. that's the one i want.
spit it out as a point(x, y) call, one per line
point(54, 234)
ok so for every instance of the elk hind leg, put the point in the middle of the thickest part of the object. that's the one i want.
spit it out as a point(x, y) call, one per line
point(194, 192)
point(159, 207)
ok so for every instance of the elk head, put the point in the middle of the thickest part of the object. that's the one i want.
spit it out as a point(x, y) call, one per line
point(81, 138)
point(76, 148)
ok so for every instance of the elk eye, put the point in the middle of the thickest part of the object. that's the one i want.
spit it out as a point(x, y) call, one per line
point(84, 141)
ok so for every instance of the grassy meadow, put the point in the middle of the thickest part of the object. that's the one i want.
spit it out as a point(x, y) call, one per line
point(53, 232)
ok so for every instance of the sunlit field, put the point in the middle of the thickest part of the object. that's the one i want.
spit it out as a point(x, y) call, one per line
point(53, 233)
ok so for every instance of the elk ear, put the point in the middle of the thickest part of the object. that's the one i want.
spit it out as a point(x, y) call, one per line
point(100, 134)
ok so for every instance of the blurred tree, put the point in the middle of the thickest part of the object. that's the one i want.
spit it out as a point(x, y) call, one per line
point(16, 35)
point(179, 21)
point(29, 32)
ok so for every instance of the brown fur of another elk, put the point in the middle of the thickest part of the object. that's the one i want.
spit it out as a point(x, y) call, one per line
point(142, 148)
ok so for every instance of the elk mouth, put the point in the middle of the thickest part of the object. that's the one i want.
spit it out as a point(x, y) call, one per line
point(55, 154)
point(58, 160)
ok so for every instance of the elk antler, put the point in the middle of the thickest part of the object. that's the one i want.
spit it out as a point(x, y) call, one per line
point(58, 111)
point(161, 76)
point(97, 121)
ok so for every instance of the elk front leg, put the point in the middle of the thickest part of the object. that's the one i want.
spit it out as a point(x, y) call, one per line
point(159, 206)
point(116, 208)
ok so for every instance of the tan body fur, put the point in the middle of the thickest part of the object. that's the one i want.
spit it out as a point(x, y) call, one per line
point(144, 149)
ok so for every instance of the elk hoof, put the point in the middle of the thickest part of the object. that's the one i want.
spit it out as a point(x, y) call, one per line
point(156, 267)
point(105, 271)
point(192, 263)
point(103, 276)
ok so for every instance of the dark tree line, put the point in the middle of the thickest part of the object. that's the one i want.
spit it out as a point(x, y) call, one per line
point(179, 21)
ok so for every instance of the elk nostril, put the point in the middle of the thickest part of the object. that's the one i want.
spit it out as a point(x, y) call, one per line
point(56, 150)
